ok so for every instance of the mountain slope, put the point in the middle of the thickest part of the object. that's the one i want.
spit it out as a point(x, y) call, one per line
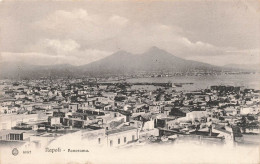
point(154, 60)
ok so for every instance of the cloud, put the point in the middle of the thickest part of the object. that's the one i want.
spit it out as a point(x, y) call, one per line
point(229, 59)
point(231, 56)
point(245, 51)
point(77, 24)
point(114, 32)
point(87, 31)
point(80, 38)
point(30, 58)
point(199, 48)
point(59, 46)
point(118, 20)
point(76, 57)
point(60, 18)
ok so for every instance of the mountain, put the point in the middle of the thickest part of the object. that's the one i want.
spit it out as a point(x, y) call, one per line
point(121, 62)
point(153, 60)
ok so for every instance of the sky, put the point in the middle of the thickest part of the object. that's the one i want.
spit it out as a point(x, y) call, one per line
point(79, 32)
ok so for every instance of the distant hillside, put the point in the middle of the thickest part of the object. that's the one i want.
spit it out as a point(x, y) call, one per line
point(24, 70)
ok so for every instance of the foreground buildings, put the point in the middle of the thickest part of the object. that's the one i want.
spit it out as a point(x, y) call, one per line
point(43, 113)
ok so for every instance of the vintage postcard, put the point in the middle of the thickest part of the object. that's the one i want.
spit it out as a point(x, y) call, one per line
point(129, 81)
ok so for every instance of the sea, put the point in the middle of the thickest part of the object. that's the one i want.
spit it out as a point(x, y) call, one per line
point(191, 83)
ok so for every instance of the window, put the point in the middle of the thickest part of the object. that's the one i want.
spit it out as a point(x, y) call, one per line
point(11, 136)
point(111, 143)
point(99, 140)
point(124, 139)
point(118, 141)
point(133, 137)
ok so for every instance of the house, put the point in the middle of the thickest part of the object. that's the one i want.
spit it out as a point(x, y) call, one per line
point(166, 123)
point(155, 108)
point(74, 122)
point(249, 110)
point(112, 119)
point(146, 121)
point(231, 111)
point(122, 136)
point(12, 135)
point(94, 137)
point(109, 95)
point(55, 121)
point(9, 121)
point(178, 112)
point(73, 107)
point(196, 115)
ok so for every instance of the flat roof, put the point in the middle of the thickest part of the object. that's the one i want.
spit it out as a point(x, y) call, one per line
point(5, 132)
point(122, 129)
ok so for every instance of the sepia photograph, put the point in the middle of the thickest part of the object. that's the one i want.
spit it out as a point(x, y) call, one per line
point(130, 81)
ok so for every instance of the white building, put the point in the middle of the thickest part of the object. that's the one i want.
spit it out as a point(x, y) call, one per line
point(249, 110)
point(196, 115)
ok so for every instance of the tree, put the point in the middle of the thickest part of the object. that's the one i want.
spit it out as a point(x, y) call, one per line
point(243, 124)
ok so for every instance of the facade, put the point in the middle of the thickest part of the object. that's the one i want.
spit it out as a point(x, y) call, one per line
point(11, 135)
point(122, 136)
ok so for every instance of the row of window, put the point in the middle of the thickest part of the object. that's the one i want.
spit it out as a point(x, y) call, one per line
point(119, 140)
point(13, 137)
